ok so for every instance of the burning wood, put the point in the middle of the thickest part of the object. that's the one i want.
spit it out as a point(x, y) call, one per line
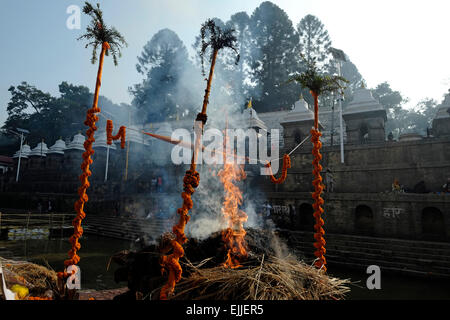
point(234, 235)
point(264, 274)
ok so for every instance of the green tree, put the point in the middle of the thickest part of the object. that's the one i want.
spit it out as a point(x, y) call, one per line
point(28, 108)
point(354, 78)
point(57, 117)
point(26, 98)
point(393, 102)
point(274, 58)
point(237, 74)
point(164, 62)
point(314, 41)
point(420, 118)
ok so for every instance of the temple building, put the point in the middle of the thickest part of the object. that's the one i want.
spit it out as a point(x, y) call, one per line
point(361, 202)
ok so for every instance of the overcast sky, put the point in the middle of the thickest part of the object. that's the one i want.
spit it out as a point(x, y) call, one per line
point(402, 42)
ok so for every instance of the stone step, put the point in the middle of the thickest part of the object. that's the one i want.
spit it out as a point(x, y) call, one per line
point(347, 252)
point(441, 248)
point(350, 258)
point(388, 254)
point(392, 270)
point(378, 241)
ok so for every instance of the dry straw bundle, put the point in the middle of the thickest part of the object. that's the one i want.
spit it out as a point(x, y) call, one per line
point(38, 278)
point(275, 279)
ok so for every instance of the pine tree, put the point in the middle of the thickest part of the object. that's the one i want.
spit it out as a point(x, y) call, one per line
point(275, 57)
point(163, 63)
point(314, 41)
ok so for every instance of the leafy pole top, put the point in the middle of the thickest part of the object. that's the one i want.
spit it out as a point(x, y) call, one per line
point(98, 33)
point(218, 39)
point(317, 82)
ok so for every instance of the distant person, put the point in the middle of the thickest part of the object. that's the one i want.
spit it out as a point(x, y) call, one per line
point(154, 184)
point(329, 180)
point(390, 136)
point(49, 206)
point(446, 186)
point(160, 184)
point(39, 206)
point(396, 186)
point(267, 213)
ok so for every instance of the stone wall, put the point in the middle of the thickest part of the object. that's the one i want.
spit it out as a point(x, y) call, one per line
point(372, 168)
point(389, 215)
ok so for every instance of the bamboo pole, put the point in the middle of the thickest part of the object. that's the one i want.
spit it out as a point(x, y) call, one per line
point(79, 205)
point(205, 105)
point(191, 180)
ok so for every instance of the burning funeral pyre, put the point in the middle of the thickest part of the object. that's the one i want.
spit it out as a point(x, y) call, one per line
point(268, 273)
point(232, 264)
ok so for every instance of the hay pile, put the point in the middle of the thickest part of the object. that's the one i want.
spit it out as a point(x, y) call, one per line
point(38, 279)
point(274, 279)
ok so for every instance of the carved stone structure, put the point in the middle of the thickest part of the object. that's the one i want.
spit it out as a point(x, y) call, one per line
point(441, 123)
point(362, 202)
point(365, 119)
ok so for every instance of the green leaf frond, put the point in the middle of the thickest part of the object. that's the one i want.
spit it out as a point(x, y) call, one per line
point(317, 82)
point(98, 32)
point(218, 39)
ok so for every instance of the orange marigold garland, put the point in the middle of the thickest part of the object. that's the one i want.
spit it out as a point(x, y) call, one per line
point(286, 165)
point(120, 135)
point(91, 119)
point(171, 262)
point(318, 187)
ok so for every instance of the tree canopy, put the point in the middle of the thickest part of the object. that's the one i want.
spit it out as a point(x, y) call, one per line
point(314, 41)
point(164, 63)
point(51, 117)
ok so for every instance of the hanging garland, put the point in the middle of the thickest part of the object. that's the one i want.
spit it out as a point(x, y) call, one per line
point(318, 84)
point(318, 201)
point(218, 39)
point(286, 165)
point(120, 135)
point(170, 263)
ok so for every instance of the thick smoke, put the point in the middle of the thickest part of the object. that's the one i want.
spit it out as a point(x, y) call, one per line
point(224, 109)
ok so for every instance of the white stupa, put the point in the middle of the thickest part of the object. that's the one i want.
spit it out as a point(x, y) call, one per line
point(443, 109)
point(26, 150)
point(41, 150)
point(58, 147)
point(441, 122)
point(133, 134)
point(299, 113)
point(77, 142)
point(363, 102)
point(101, 141)
point(250, 119)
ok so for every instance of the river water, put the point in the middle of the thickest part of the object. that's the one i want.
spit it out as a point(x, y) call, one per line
point(96, 252)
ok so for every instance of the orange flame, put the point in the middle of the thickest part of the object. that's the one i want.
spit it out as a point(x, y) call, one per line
point(234, 235)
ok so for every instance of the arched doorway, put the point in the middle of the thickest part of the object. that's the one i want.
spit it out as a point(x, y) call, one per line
point(364, 220)
point(304, 219)
point(298, 136)
point(433, 224)
point(363, 133)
